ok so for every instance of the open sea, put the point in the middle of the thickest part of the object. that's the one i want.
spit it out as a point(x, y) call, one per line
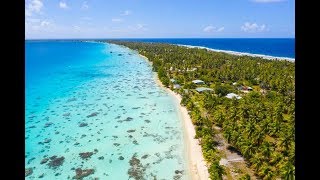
point(95, 110)
point(276, 47)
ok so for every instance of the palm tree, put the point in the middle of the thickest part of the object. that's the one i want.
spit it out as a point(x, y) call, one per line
point(266, 149)
point(257, 160)
point(288, 171)
point(266, 172)
point(216, 171)
point(248, 149)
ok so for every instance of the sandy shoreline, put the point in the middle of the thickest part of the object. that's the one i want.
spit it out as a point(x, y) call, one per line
point(197, 164)
point(240, 53)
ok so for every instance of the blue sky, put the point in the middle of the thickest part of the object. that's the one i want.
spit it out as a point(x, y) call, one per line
point(159, 18)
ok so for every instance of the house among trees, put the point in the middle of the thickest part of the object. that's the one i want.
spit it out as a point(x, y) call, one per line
point(197, 81)
point(173, 80)
point(193, 69)
point(232, 95)
point(245, 89)
point(201, 89)
point(176, 86)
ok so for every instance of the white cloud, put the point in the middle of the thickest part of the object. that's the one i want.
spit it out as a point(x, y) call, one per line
point(63, 5)
point(116, 20)
point(85, 5)
point(253, 27)
point(76, 28)
point(211, 28)
point(126, 13)
point(220, 29)
point(208, 29)
point(138, 27)
point(34, 26)
point(45, 23)
point(33, 6)
point(267, 1)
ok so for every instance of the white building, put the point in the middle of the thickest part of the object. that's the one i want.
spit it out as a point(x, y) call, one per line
point(197, 81)
point(232, 95)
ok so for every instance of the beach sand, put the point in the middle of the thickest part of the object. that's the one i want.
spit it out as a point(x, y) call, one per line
point(241, 53)
point(197, 164)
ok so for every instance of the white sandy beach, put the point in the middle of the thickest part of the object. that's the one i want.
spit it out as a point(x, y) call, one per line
point(197, 164)
point(240, 53)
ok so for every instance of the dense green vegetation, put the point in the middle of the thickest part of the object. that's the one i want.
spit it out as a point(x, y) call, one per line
point(260, 125)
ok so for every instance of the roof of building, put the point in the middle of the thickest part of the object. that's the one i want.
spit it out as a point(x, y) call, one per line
point(231, 95)
point(176, 86)
point(172, 80)
point(201, 89)
point(197, 81)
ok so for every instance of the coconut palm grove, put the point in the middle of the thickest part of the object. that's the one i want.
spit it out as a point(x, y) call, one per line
point(249, 100)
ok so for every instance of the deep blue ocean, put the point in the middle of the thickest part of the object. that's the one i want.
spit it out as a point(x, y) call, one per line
point(277, 47)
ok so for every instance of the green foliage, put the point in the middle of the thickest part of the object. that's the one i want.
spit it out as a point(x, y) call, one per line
point(216, 171)
point(245, 177)
point(222, 90)
point(259, 125)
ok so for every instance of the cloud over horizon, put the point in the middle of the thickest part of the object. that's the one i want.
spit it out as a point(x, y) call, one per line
point(253, 27)
point(33, 6)
point(211, 28)
point(63, 5)
point(85, 5)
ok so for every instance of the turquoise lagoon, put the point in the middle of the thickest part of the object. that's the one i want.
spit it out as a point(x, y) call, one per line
point(101, 100)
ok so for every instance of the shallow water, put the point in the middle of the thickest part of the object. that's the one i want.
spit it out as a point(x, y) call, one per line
point(81, 98)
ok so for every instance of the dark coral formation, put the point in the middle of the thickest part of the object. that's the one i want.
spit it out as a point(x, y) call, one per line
point(72, 99)
point(86, 155)
point(177, 177)
point(28, 171)
point(93, 114)
point(47, 140)
point(178, 172)
point(83, 124)
point(66, 114)
point(81, 173)
point(131, 130)
point(29, 161)
point(137, 170)
point(48, 124)
point(121, 158)
point(145, 156)
point(55, 162)
point(128, 119)
point(45, 160)
point(135, 142)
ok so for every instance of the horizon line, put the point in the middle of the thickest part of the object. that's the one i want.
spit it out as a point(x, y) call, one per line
point(161, 38)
